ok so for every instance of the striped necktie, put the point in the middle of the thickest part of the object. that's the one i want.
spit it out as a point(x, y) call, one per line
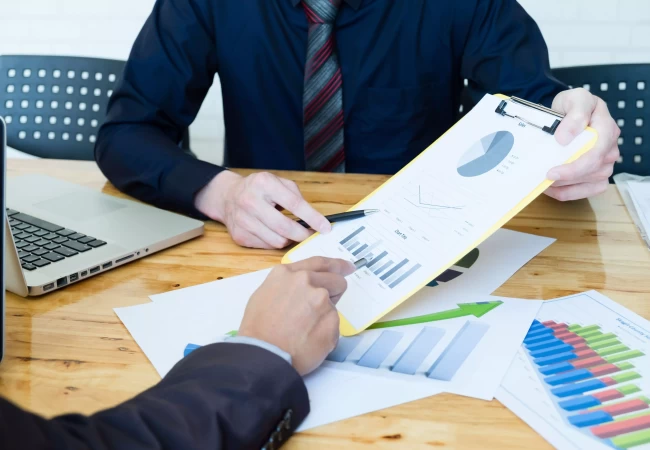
point(323, 96)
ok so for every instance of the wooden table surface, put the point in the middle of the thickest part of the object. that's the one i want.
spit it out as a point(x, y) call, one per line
point(68, 351)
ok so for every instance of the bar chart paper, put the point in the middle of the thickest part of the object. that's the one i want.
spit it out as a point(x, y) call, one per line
point(439, 208)
point(582, 377)
point(464, 348)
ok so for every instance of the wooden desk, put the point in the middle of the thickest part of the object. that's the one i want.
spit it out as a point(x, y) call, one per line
point(69, 352)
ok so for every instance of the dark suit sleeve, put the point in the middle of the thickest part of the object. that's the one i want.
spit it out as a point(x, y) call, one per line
point(505, 53)
point(169, 72)
point(222, 396)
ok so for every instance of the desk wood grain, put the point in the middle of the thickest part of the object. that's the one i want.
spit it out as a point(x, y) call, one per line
point(68, 352)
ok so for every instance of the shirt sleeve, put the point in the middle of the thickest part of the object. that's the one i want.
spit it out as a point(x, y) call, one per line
point(259, 343)
point(505, 53)
point(169, 72)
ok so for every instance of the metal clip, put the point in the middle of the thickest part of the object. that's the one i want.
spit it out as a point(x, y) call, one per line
point(501, 109)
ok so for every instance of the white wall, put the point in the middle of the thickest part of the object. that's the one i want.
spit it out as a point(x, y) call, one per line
point(578, 32)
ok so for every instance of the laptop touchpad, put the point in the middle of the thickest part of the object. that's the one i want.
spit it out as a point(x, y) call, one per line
point(80, 206)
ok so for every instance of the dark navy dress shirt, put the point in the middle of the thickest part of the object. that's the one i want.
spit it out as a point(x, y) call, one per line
point(403, 64)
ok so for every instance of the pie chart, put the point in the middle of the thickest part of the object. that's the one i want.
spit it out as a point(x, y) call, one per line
point(486, 154)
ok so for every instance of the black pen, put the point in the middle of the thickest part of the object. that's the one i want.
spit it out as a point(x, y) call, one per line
point(342, 217)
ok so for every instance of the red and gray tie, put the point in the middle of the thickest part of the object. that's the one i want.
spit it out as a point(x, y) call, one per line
point(323, 96)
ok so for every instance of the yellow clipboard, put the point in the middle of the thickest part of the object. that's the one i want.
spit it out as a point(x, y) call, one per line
point(346, 328)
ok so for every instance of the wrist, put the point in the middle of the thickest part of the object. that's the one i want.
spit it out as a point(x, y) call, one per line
point(211, 200)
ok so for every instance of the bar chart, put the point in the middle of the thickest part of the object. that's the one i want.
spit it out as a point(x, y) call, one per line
point(387, 265)
point(409, 350)
point(594, 379)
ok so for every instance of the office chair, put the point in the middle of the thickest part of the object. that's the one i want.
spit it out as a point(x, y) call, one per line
point(626, 90)
point(54, 105)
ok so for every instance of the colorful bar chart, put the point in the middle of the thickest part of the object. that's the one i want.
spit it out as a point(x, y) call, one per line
point(392, 269)
point(591, 377)
point(415, 354)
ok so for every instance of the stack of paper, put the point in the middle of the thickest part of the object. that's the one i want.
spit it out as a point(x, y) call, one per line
point(451, 337)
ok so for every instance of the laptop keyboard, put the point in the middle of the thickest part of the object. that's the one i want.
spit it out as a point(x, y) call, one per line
point(42, 243)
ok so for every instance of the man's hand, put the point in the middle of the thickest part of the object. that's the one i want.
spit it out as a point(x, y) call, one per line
point(248, 206)
point(294, 310)
point(589, 174)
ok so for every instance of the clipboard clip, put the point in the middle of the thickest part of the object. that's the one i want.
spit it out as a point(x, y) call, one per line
point(501, 110)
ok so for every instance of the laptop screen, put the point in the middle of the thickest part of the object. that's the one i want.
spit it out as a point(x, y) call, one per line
point(3, 222)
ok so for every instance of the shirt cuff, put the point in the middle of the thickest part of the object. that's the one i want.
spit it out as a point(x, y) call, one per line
point(259, 343)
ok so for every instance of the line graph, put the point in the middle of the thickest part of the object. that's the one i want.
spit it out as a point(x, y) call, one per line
point(425, 205)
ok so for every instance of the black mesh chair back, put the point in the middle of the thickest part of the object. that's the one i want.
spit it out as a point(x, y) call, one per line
point(54, 105)
point(626, 90)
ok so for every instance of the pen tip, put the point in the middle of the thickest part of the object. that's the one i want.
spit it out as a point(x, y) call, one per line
point(371, 211)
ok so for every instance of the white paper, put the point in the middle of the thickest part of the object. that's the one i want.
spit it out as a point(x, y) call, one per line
point(529, 395)
point(440, 206)
point(640, 193)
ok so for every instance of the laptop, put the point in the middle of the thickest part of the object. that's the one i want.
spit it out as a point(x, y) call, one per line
point(59, 233)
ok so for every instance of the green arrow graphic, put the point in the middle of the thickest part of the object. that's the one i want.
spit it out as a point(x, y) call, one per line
point(477, 309)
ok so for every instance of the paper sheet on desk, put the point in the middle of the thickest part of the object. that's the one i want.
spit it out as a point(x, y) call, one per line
point(598, 400)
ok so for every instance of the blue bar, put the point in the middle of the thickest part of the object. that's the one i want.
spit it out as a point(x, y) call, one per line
point(537, 333)
point(376, 260)
point(360, 249)
point(394, 269)
point(554, 359)
point(579, 403)
point(562, 348)
point(351, 246)
point(578, 388)
point(568, 377)
point(382, 268)
point(457, 351)
point(556, 368)
point(537, 322)
point(536, 326)
point(538, 339)
point(344, 348)
point(404, 276)
point(359, 230)
point(589, 419)
point(189, 348)
point(544, 344)
point(380, 349)
point(418, 350)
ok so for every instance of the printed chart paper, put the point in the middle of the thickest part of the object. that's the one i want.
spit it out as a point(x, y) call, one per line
point(440, 207)
point(582, 377)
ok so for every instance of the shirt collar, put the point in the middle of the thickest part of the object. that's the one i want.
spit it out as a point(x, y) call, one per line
point(353, 3)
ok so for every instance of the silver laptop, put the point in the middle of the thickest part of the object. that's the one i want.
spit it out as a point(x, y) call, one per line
point(58, 233)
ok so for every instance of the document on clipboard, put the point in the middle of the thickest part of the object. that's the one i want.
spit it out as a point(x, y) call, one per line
point(454, 195)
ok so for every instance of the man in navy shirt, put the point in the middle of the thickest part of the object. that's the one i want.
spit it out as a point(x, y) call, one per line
point(322, 85)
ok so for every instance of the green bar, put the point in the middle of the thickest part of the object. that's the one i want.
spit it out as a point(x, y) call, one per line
point(574, 327)
point(592, 333)
point(232, 333)
point(596, 408)
point(602, 337)
point(623, 356)
point(632, 416)
point(612, 350)
point(632, 439)
point(603, 344)
point(588, 329)
point(628, 389)
point(625, 376)
point(625, 366)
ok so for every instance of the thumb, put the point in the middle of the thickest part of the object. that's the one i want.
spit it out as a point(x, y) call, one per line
point(578, 106)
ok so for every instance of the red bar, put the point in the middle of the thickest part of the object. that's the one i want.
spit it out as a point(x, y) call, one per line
point(564, 334)
point(605, 369)
point(610, 394)
point(588, 362)
point(558, 326)
point(624, 426)
point(585, 353)
point(609, 381)
point(548, 323)
point(579, 347)
point(574, 340)
point(625, 407)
